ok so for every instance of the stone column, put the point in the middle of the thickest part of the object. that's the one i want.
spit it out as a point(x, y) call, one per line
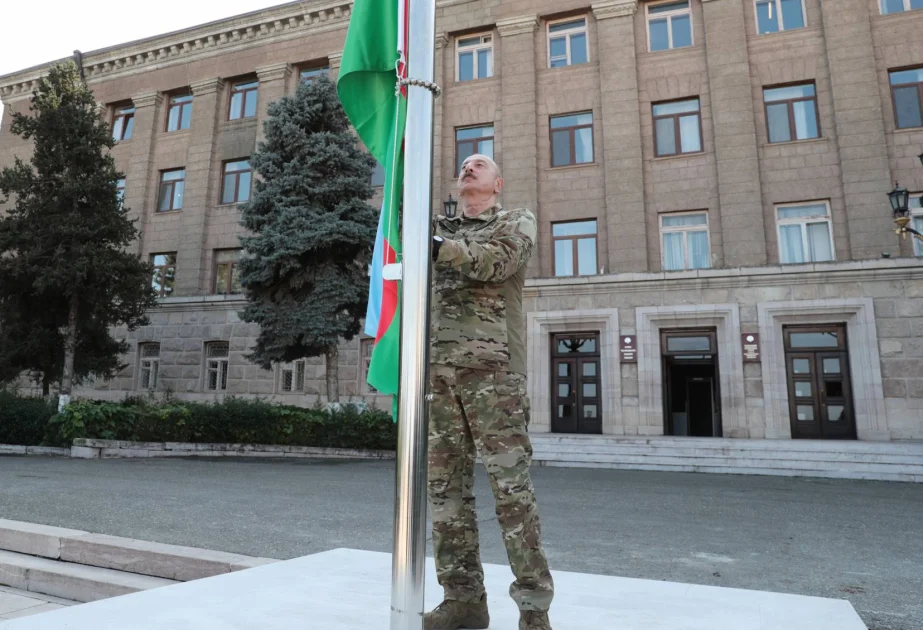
point(333, 64)
point(201, 179)
point(140, 199)
point(860, 129)
point(739, 191)
point(621, 120)
point(273, 84)
point(519, 158)
point(438, 116)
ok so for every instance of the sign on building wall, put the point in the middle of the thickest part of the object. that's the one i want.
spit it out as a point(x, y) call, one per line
point(751, 347)
point(628, 348)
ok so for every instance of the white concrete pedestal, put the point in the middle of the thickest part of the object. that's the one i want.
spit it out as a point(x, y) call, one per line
point(350, 590)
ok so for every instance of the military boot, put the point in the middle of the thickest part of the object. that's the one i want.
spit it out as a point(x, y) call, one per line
point(453, 615)
point(533, 620)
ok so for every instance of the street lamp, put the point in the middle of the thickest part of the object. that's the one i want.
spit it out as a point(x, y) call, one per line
point(900, 209)
point(450, 205)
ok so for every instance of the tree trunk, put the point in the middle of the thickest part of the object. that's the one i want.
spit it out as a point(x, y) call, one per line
point(46, 385)
point(333, 376)
point(70, 349)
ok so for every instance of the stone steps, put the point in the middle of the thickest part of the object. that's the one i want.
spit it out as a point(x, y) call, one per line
point(810, 458)
point(82, 566)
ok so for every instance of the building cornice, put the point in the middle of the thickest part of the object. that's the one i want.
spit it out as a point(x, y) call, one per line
point(820, 273)
point(276, 24)
point(517, 25)
point(614, 8)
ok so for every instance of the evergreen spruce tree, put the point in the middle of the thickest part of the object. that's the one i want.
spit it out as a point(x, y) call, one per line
point(305, 269)
point(66, 277)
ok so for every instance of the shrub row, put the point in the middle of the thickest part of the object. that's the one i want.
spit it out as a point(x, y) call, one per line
point(236, 421)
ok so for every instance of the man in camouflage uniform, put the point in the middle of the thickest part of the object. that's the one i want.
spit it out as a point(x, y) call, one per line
point(479, 404)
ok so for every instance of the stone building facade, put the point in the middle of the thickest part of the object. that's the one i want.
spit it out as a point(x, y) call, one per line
point(716, 255)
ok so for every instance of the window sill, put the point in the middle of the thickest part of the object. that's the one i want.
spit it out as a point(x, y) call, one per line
point(163, 213)
point(178, 132)
point(479, 81)
point(233, 204)
point(907, 130)
point(570, 167)
point(678, 156)
point(239, 122)
point(795, 142)
point(672, 52)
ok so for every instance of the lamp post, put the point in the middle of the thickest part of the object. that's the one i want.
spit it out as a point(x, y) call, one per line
point(450, 206)
point(900, 209)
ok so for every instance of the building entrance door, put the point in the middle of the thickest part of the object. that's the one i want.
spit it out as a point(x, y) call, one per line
point(692, 401)
point(576, 395)
point(819, 393)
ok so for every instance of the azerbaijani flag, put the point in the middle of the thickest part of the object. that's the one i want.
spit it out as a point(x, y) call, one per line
point(374, 58)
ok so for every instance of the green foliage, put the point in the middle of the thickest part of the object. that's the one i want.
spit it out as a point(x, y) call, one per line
point(305, 270)
point(234, 421)
point(23, 419)
point(66, 233)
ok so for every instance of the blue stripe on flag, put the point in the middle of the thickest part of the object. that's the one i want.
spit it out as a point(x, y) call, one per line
point(376, 282)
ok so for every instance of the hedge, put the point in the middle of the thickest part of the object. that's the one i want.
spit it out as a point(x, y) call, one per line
point(233, 421)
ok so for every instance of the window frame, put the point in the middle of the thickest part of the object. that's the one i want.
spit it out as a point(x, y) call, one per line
point(221, 374)
point(172, 185)
point(803, 222)
point(891, 86)
point(125, 114)
point(477, 142)
point(153, 367)
point(120, 190)
point(684, 230)
point(235, 89)
point(916, 213)
point(162, 292)
point(574, 248)
point(567, 35)
point(778, 8)
point(573, 139)
point(906, 3)
point(236, 175)
point(294, 367)
point(320, 70)
point(678, 136)
point(790, 107)
point(669, 16)
point(234, 265)
point(474, 49)
point(182, 106)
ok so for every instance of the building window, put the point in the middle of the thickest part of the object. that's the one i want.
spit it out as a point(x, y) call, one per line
point(292, 376)
point(309, 75)
point(773, 16)
point(236, 185)
point(172, 186)
point(472, 140)
point(216, 366)
point(574, 248)
point(124, 123)
point(243, 100)
point(677, 127)
point(475, 56)
point(368, 345)
point(164, 273)
point(906, 89)
point(572, 139)
point(791, 113)
point(916, 214)
point(149, 365)
point(378, 175)
point(567, 43)
point(180, 114)
point(120, 191)
point(897, 6)
point(227, 275)
point(684, 240)
point(669, 25)
point(804, 233)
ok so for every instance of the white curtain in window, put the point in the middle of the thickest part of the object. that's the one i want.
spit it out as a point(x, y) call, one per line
point(819, 241)
point(673, 258)
point(790, 245)
point(698, 250)
point(918, 226)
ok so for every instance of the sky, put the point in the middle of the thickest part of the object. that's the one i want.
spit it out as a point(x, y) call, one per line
point(33, 32)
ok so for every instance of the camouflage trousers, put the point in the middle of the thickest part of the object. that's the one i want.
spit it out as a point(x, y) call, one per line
point(485, 412)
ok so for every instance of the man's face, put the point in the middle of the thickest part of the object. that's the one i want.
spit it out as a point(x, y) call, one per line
point(479, 176)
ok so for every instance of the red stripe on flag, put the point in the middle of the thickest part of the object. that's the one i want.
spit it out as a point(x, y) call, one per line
point(388, 297)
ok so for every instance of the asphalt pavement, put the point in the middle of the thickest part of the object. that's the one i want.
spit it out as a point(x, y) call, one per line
point(856, 540)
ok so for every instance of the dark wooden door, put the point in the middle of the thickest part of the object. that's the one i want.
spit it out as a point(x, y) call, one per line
point(576, 386)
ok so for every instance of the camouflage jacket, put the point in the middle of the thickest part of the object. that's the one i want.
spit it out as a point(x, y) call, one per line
point(477, 318)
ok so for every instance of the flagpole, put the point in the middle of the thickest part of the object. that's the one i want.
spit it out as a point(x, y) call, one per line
point(409, 555)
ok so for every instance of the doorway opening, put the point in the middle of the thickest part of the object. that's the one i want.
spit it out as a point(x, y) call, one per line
point(576, 385)
point(691, 389)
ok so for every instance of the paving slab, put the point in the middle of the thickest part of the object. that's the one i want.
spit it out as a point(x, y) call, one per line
point(15, 603)
point(347, 589)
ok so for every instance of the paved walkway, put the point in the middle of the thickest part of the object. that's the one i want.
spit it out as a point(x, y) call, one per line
point(843, 539)
point(15, 604)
